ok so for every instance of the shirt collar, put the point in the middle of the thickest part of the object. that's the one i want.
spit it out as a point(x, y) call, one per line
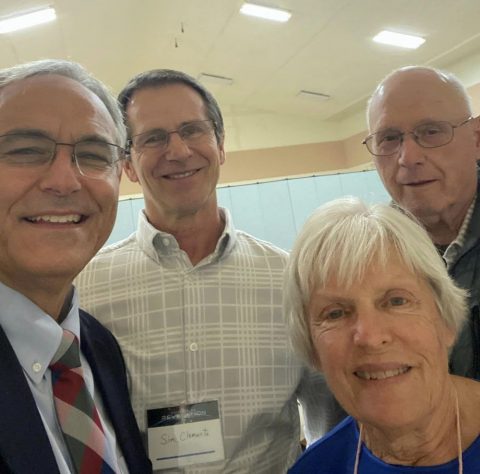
point(451, 251)
point(34, 335)
point(157, 244)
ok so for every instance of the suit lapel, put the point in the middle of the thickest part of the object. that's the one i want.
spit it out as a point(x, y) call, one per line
point(108, 373)
point(105, 371)
point(24, 444)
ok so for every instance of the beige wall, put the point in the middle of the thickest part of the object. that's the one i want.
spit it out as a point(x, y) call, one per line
point(474, 92)
point(355, 152)
point(284, 161)
point(128, 188)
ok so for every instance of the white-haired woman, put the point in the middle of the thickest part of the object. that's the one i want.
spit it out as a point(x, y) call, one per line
point(370, 304)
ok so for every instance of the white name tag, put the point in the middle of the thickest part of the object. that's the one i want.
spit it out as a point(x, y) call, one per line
point(185, 435)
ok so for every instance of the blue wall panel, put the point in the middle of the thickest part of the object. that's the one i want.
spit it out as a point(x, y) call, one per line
point(246, 209)
point(279, 223)
point(125, 223)
point(328, 187)
point(224, 197)
point(376, 190)
point(273, 210)
point(303, 198)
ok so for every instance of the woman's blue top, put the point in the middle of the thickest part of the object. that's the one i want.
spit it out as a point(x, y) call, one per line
point(335, 454)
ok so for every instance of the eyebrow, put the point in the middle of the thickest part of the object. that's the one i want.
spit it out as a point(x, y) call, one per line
point(328, 297)
point(162, 129)
point(27, 131)
point(36, 132)
point(95, 138)
point(401, 284)
point(424, 121)
point(387, 129)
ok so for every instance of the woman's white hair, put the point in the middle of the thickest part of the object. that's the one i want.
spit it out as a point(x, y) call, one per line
point(341, 239)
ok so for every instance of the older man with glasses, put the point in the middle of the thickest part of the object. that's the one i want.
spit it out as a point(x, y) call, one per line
point(64, 400)
point(426, 145)
point(197, 304)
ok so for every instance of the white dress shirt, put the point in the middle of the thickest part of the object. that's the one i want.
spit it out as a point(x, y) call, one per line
point(35, 337)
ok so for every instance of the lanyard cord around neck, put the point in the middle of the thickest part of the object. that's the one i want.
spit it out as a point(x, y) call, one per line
point(459, 442)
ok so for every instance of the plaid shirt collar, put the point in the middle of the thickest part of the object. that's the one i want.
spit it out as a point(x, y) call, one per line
point(452, 250)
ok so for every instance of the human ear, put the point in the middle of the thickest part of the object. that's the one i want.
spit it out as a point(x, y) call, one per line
point(130, 170)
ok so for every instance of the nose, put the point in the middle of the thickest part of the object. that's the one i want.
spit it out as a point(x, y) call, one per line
point(410, 153)
point(177, 149)
point(371, 330)
point(62, 176)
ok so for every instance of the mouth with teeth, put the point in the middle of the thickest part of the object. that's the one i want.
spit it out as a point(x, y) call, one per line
point(56, 219)
point(185, 174)
point(382, 374)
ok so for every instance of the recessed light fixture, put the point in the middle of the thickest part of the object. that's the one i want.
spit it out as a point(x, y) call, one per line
point(25, 20)
point(213, 79)
point(268, 13)
point(311, 95)
point(399, 39)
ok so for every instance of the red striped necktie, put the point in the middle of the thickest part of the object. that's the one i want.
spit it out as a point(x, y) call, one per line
point(76, 411)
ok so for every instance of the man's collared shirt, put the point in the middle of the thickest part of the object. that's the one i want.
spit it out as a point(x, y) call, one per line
point(451, 252)
point(35, 337)
point(213, 331)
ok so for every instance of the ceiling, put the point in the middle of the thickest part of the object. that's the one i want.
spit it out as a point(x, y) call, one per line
point(325, 47)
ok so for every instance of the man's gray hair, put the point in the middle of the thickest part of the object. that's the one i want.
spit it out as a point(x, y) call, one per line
point(75, 72)
point(446, 76)
point(341, 239)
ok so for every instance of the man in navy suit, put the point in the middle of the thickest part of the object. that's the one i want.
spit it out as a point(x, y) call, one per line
point(61, 137)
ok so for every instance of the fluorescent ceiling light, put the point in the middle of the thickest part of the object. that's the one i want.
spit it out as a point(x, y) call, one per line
point(399, 39)
point(267, 13)
point(213, 79)
point(311, 95)
point(19, 22)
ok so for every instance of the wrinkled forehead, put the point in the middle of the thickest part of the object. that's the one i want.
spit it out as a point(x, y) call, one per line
point(53, 102)
point(46, 84)
point(164, 106)
point(407, 98)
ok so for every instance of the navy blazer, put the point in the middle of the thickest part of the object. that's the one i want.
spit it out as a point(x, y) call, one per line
point(24, 444)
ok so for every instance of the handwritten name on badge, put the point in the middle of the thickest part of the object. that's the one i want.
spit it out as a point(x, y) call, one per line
point(184, 435)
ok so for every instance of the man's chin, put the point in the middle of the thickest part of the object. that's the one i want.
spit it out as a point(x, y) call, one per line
point(422, 208)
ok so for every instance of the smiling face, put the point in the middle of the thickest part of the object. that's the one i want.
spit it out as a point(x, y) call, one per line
point(427, 181)
point(382, 345)
point(52, 220)
point(181, 179)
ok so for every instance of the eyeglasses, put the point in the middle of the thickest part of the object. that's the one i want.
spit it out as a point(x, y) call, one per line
point(428, 135)
point(191, 133)
point(94, 159)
